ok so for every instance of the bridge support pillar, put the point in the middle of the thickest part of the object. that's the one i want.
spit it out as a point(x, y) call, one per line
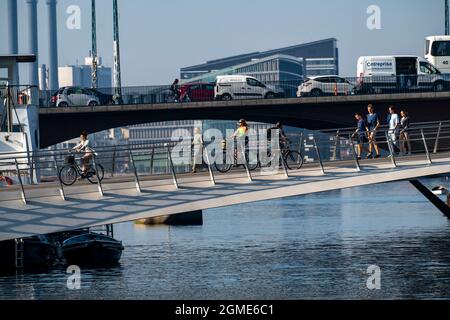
point(193, 218)
point(435, 200)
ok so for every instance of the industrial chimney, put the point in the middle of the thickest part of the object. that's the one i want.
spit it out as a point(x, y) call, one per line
point(33, 45)
point(13, 41)
point(53, 45)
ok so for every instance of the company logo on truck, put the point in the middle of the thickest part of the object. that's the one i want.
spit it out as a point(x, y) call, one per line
point(380, 65)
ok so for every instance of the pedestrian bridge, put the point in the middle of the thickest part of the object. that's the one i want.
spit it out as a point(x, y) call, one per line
point(48, 207)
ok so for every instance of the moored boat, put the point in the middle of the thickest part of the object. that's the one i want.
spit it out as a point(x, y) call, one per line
point(92, 249)
point(34, 253)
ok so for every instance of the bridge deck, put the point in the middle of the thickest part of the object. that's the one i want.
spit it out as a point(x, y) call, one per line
point(46, 212)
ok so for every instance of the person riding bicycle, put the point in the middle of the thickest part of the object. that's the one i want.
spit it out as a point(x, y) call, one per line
point(174, 88)
point(89, 153)
point(284, 140)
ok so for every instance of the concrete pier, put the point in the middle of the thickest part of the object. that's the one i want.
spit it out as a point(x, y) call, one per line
point(193, 218)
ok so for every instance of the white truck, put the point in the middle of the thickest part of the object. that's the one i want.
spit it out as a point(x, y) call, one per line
point(377, 74)
point(437, 52)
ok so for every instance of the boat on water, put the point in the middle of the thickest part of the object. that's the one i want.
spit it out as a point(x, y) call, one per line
point(92, 249)
point(33, 253)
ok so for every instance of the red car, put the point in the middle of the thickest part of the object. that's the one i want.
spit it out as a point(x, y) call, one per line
point(199, 91)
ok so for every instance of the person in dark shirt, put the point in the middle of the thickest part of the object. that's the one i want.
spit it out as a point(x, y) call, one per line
point(361, 134)
point(174, 88)
point(373, 124)
point(405, 126)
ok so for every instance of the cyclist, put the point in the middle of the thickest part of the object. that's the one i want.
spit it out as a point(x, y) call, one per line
point(89, 153)
point(284, 140)
point(174, 88)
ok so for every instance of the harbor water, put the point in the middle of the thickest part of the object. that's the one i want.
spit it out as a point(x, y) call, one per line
point(311, 247)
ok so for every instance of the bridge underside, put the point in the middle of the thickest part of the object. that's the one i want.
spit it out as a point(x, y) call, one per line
point(61, 124)
point(46, 212)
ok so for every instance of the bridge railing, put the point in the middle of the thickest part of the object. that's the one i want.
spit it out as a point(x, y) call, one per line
point(198, 92)
point(172, 160)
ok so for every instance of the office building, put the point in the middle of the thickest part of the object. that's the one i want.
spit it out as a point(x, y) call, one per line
point(320, 56)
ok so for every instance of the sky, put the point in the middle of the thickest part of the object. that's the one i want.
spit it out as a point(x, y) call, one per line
point(158, 37)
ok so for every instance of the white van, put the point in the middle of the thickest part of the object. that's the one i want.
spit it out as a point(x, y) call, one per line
point(437, 52)
point(238, 87)
point(396, 73)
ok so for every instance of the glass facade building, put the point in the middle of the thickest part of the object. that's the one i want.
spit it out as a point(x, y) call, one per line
point(314, 51)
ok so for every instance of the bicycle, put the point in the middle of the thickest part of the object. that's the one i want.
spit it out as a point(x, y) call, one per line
point(69, 173)
point(293, 159)
point(225, 167)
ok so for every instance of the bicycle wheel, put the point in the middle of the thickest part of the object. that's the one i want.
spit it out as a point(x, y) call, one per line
point(68, 175)
point(293, 160)
point(252, 166)
point(224, 165)
point(93, 176)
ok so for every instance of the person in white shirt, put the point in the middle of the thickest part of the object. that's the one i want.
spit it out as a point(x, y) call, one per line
point(197, 143)
point(394, 123)
point(84, 146)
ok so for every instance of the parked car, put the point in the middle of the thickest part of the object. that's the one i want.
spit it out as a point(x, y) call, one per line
point(75, 96)
point(200, 91)
point(243, 87)
point(325, 86)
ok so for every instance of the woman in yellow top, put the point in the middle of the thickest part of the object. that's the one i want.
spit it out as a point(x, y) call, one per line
point(242, 130)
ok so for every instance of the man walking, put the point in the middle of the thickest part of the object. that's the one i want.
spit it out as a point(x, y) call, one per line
point(373, 124)
point(393, 122)
point(360, 134)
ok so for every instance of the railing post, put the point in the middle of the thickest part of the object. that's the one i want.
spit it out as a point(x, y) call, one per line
point(318, 155)
point(99, 186)
point(113, 162)
point(61, 188)
point(426, 147)
point(436, 144)
point(283, 162)
point(300, 143)
point(336, 141)
point(391, 149)
point(358, 166)
point(249, 175)
point(136, 177)
point(172, 168)
point(208, 162)
point(152, 157)
point(22, 189)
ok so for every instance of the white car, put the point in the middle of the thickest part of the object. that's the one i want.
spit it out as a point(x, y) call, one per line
point(238, 87)
point(76, 96)
point(325, 86)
